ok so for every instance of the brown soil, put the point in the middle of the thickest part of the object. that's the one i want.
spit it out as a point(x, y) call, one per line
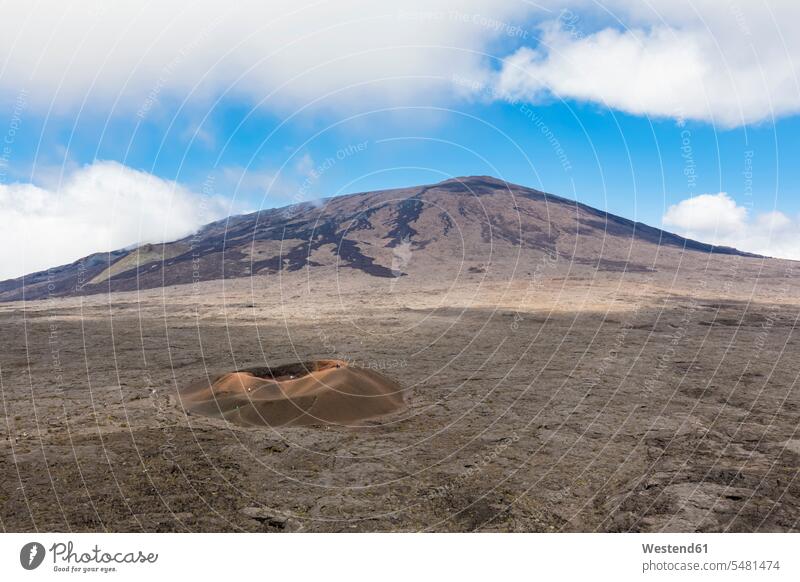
point(562, 398)
point(323, 392)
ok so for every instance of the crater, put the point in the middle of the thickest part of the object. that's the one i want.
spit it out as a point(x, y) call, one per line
point(315, 393)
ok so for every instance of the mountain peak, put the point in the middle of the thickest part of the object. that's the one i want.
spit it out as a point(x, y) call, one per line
point(476, 179)
point(475, 182)
point(464, 222)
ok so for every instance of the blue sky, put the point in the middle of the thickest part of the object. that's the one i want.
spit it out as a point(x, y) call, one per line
point(651, 115)
point(630, 165)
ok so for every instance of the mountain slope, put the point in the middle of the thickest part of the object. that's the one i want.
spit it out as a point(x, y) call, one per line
point(463, 223)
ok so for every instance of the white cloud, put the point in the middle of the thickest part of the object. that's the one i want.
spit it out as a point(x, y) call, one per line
point(708, 213)
point(726, 62)
point(304, 164)
point(729, 62)
point(100, 207)
point(717, 219)
point(141, 53)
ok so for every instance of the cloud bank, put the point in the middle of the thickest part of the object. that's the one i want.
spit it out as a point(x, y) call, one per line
point(730, 63)
point(717, 219)
point(100, 207)
point(285, 53)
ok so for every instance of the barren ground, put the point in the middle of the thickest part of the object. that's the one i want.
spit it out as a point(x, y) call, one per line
point(606, 402)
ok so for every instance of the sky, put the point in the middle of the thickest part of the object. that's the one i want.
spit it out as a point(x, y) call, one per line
point(139, 122)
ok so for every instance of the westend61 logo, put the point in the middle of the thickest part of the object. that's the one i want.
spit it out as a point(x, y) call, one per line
point(66, 559)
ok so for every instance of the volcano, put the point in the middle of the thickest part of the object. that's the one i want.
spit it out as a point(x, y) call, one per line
point(475, 224)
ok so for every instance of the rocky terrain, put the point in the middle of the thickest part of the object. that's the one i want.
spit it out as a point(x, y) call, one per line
point(563, 370)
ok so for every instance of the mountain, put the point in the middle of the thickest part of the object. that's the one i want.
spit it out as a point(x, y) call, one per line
point(477, 225)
